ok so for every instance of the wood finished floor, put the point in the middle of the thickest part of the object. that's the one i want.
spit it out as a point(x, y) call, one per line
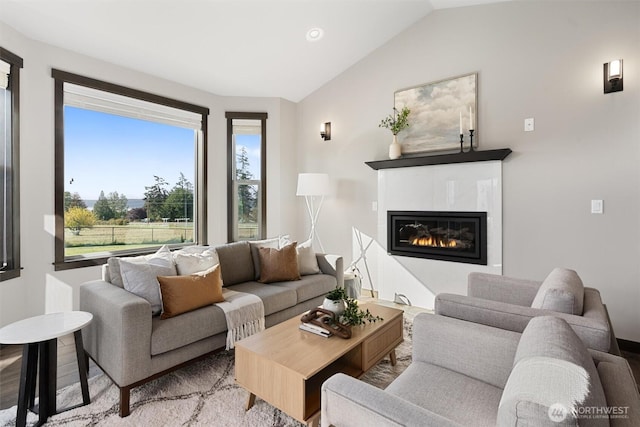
point(11, 357)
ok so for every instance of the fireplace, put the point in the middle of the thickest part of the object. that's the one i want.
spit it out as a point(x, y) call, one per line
point(446, 236)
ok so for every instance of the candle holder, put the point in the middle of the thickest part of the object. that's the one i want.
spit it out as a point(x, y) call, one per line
point(471, 137)
point(461, 143)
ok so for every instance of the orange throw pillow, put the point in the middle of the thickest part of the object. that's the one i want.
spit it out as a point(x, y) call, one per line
point(279, 265)
point(181, 294)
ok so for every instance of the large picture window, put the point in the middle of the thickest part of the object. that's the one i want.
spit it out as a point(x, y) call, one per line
point(130, 171)
point(246, 148)
point(10, 65)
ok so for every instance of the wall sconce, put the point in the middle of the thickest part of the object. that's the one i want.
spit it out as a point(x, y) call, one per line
point(325, 131)
point(613, 76)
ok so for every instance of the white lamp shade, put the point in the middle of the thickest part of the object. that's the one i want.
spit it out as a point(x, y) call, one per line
point(313, 184)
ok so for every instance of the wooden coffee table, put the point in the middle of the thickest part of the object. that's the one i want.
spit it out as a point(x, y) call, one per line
point(286, 367)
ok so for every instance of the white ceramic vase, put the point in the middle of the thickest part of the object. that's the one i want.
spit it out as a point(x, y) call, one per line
point(336, 306)
point(395, 149)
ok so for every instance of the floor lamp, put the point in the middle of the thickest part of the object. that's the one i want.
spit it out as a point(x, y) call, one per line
point(312, 185)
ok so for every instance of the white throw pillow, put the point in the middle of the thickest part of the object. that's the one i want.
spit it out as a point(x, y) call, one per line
point(141, 279)
point(307, 261)
point(190, 263)
point(162, 256)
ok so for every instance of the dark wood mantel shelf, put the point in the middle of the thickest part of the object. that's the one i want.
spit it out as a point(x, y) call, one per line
point(441, 159)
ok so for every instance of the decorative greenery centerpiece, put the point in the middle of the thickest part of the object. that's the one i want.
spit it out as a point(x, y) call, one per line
point(352, 315)
point(397, 121)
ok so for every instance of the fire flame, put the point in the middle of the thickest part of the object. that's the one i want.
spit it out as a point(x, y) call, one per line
point(433, 242)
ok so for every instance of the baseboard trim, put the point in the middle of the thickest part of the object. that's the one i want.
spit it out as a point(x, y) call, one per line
point(626, 345)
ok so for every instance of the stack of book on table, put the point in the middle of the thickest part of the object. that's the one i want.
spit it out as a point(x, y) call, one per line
point(309, 327)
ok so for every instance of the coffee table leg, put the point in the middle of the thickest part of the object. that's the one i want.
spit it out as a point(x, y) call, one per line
point(392, 356)
point(314, 421)
point(251, 399)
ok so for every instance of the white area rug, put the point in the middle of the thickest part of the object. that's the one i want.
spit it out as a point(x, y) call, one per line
point(201, 394)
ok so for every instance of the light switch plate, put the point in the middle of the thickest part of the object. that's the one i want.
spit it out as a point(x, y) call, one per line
point(597, 206)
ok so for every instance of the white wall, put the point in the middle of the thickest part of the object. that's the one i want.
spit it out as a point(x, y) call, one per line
point(41, 289)
point(534, 59)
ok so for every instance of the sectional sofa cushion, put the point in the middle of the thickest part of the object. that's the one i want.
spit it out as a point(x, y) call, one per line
point(561, 291)
point(553, 380)
point(274, 298)
point(236, 263)
point(279, 265)
point(180, 331)
point(309, 287)
point(181, 294)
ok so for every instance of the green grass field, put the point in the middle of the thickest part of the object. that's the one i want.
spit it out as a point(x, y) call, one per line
point(109, 238)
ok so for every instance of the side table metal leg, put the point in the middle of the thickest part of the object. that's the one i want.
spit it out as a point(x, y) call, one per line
point(82, 367)
point(27, 382)
point(48, 378)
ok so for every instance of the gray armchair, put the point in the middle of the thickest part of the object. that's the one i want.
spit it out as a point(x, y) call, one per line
point(509, 303)
point(467, 374)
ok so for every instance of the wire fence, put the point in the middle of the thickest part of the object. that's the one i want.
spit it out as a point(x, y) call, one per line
point(129, 234)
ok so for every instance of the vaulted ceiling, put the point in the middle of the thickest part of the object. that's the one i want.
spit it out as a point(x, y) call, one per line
point(227, 47)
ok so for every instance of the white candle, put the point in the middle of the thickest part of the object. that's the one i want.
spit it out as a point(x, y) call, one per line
point(460, 122)
point(470, 119)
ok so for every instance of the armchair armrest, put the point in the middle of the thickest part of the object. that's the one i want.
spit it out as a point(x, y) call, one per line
point(504, 289)
point(620, 388)
point(348, 402)
point(478, 351)
point(119, 337)
point(592, 327)
point(332, 265)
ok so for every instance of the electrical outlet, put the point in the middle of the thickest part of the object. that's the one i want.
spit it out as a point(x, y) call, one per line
point(374, 206)
point(528, 125)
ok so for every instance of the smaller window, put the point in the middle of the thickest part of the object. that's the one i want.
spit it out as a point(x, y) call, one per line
point(246, 145)
point(10, 65)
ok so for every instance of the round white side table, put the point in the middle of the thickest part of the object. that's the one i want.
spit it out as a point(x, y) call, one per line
point(39, 337)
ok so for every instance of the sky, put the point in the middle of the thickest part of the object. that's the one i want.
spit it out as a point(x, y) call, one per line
point(105, 152)
point(252, 144)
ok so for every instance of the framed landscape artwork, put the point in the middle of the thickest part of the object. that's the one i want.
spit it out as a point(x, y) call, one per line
point(438, 110)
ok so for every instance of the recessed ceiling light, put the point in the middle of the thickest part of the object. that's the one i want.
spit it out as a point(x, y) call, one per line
point(315, 34)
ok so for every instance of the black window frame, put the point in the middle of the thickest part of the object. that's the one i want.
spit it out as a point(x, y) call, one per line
point(231, 161)
point(60, 78)
point(13, 268)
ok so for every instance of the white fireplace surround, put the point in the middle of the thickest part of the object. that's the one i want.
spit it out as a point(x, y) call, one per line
point(473, 186)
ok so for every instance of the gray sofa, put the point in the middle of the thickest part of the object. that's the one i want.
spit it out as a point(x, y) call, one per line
point(133, 347)
point(510, 303)
point(467, 374)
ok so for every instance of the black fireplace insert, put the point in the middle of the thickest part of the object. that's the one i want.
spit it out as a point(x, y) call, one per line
point(441, 235)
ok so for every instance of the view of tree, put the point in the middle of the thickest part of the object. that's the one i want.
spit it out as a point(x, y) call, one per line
point(247, 194)
point(136, 214)
point(154, 199)
point(77, 218)
point(118, 204)
point(73, 200)
point(101, 209)
point(179, 202)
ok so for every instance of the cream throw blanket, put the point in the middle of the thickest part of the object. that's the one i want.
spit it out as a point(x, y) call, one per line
point(244, 313)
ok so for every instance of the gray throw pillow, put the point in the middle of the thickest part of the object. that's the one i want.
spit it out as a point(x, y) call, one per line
point(141, 279)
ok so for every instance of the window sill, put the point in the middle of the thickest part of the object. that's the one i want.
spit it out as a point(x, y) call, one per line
point(9, 274)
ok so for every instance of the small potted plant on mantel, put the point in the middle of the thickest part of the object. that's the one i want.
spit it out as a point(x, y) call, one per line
point(396, 122)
